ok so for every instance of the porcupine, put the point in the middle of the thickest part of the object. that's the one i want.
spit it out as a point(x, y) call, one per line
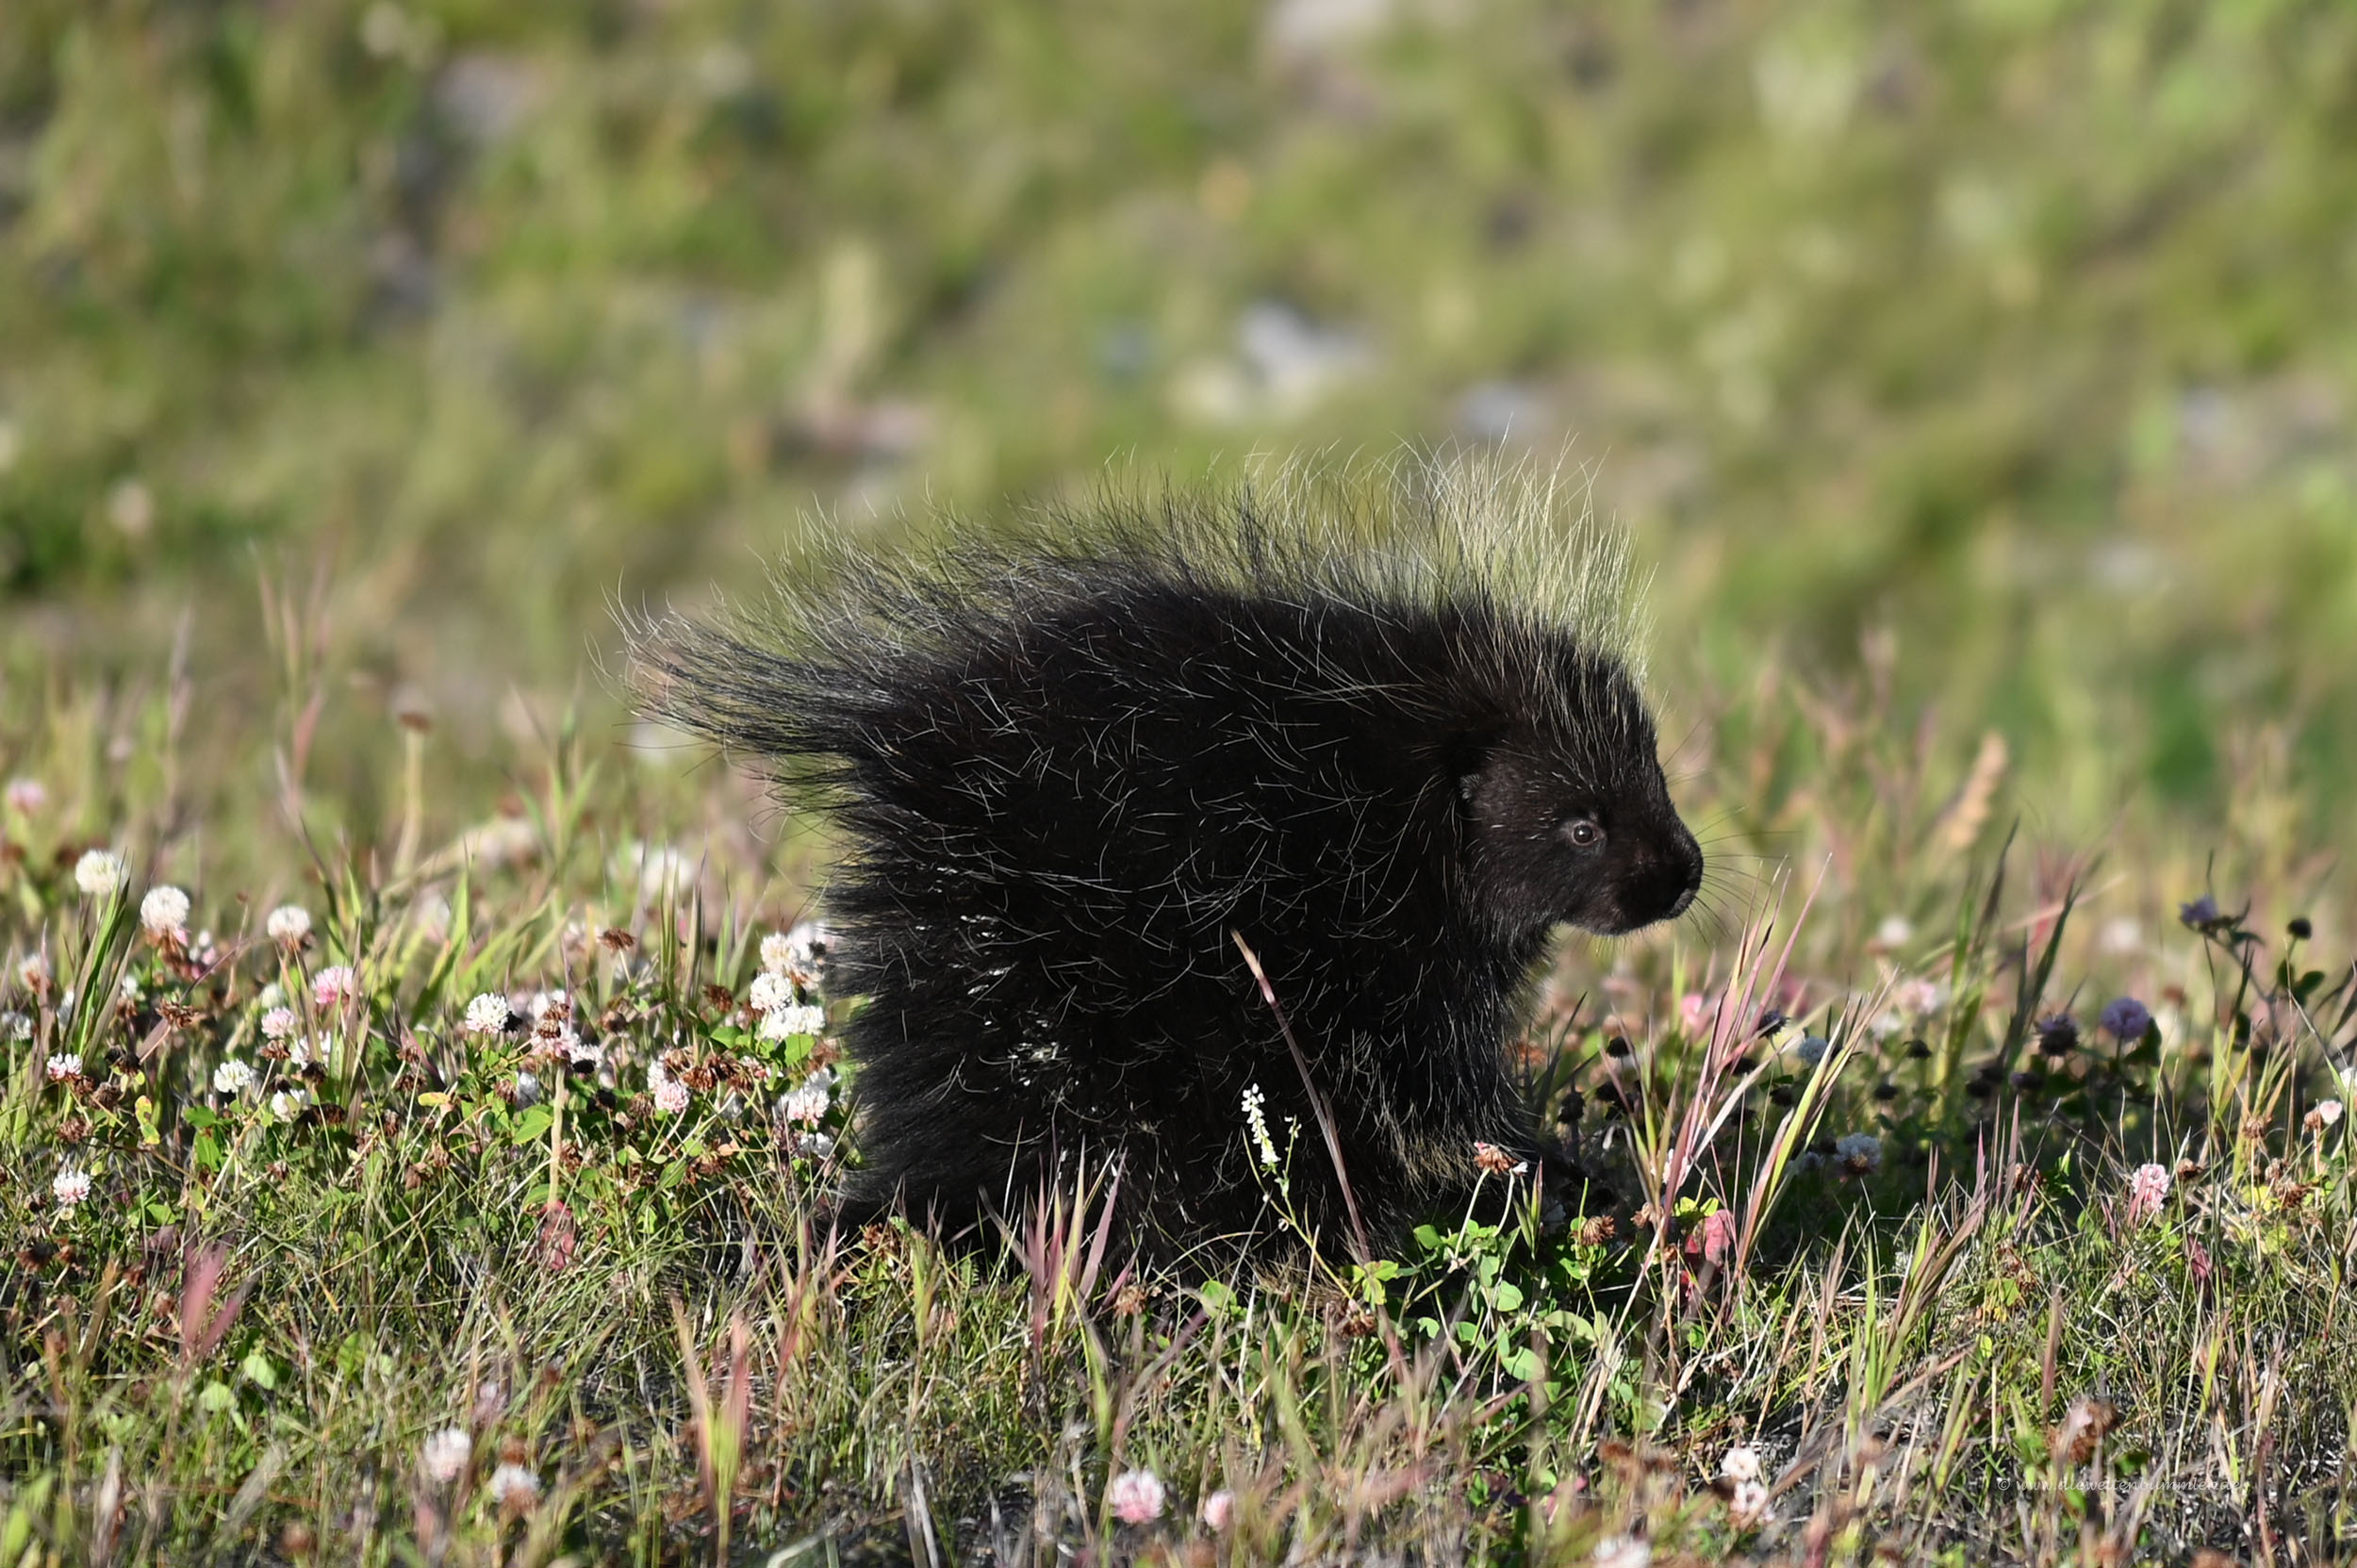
point(1378, 740)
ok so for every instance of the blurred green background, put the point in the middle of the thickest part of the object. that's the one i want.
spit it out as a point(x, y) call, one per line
point(1999, 351)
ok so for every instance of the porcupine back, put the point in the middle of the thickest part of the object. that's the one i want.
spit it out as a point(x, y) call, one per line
point(1072, 771)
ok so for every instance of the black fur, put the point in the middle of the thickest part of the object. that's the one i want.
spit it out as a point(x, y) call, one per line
point(1071, 778)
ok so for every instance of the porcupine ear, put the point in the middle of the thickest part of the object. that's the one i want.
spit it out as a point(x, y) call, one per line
point(1466, 752)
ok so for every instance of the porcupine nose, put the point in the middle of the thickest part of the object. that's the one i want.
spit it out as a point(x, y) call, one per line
point(1682, 875)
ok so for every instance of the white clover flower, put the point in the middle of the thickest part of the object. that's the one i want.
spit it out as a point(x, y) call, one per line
point(1747, 1505)
point(1896, 931)
point(581, 1054)
point(1135, 1496)
point(280, 1023)
point(334, 986)
point(444, 1455)
point(64, 1064)
point(71, 1186)
point(787, 1021)
point(2148, 1189)
point(15, 1028)
point(273, 995)
point(27, 796)
point(512, 1486)
point(1741, 1463)
point(233, 1076)
point(164, 913)
point(286, 1104)
point(1858, 1153)
point(1812, 1049)
point(800, 953)
point(1218, 1510)
point(202, 951)
point(527, 1089)
point(304, 1050)
point(2328, 1111)
point(670, 1095)
point(129, 990)
point(289, 924)
point(816, 1146)
point(32, 973)
point(100, 873)
point(488, 1015)
point(806, 1104)
point(769, 992)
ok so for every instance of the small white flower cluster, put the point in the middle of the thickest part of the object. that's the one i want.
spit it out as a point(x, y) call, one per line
point(784, 1022)
point(32, 974)
point(164, 915)
point(513, 1487)
point(800, 954)
point(280, 1024)
point(444, 1455)
point(1256, 1124)
point(303, 1050)
point(289, 925)
point(808, 1104)
point(286, 1104)
point(233, 1076)
point(26, 796)
point(15, 1028)
point(64, 1064)
point(1747, 1499)
point(2148, 1189)
point(1135, 1496)
point(488, 1015)
point(101, 873)
point(71, 1187)
point(670, 1095)
point(2328, 1111)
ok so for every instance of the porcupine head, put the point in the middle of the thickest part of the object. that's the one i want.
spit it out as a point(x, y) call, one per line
point(1386, 725)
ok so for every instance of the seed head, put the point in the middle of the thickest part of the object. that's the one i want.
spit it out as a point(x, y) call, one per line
point(2057, 1034)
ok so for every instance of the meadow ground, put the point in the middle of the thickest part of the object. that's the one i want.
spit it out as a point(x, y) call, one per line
point(454, 1201)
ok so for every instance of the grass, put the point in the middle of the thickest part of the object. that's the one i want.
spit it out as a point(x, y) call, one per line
point(1963, 1341)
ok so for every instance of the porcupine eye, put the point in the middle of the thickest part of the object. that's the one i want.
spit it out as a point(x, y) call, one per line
point(1583, 832)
